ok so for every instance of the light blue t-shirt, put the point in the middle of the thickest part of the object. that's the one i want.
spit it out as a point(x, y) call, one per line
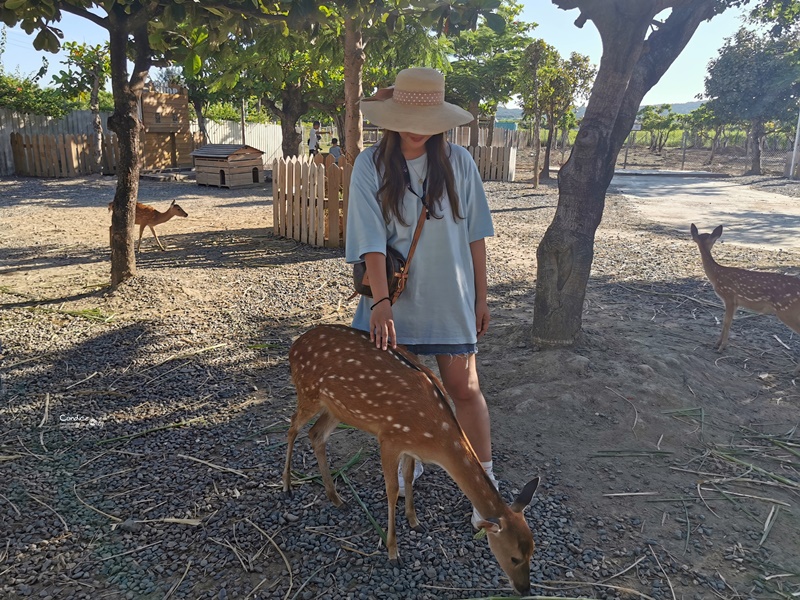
point(438, 304)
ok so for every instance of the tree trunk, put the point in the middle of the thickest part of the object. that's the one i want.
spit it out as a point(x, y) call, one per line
point(353, 66)
point(548, 148)
point(756, 136)
point(293, 107)
point(97, 125)
point(339, 119)
point(537, 147)
point(474, 130)
point(490, 133)
point(201, 120)
point(715, 144)
point(630, 66)
point(124, 121)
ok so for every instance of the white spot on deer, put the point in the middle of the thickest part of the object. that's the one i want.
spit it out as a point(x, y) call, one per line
point(445, 426)
point(421, 414)
point(406, 429)
point(428, 435)
point(397, 425)
point(389, 418)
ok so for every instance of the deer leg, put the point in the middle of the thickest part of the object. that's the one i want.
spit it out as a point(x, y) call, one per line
point(408, 476)
point(141, 232)
point(158, 241)
point(319, 435)
point(792, 320)
point(303, 415)
point(730, 308)
point(390, 460)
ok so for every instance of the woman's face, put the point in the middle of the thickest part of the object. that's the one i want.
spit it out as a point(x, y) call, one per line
point(412, 145)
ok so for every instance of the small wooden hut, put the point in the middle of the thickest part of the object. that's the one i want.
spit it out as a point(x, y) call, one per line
point(165, 136)
point(228, 165)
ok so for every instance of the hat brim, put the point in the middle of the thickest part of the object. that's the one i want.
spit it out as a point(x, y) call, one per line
point(421, 120)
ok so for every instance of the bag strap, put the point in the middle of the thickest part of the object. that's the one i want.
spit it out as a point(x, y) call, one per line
point(404, 270)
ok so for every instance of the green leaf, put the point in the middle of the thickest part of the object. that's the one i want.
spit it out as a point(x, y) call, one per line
point(193, 63)
point(15, 4)
point(495, 22)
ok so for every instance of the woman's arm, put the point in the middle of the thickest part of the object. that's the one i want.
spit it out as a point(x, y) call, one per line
point(482, 317)
point(381, 321)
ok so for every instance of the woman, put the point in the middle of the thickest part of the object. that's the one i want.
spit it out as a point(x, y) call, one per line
point(443, 310)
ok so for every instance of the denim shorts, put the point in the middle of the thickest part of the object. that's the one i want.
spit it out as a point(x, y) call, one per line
point(446, 349)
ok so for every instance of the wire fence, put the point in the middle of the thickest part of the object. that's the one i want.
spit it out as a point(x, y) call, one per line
point(731, 152)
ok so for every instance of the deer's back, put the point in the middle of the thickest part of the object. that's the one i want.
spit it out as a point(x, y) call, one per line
point(379, 391)
point(756, 288)
point(145, 214)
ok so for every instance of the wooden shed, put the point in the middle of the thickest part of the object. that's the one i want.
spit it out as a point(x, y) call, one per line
point(166, 138)
point(228, 165)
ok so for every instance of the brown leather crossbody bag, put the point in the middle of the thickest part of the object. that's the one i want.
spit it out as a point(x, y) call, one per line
point(397, 267)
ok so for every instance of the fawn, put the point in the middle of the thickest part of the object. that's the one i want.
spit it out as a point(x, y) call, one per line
point(147, 216)
point(342, 377)
point(765, 293)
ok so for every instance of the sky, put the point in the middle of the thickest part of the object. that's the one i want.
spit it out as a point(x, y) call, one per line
point(682, 83)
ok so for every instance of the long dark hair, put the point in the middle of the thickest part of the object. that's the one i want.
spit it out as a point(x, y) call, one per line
point(389, 161)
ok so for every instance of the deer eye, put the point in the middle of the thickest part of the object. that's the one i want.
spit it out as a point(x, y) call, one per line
point(516, 561)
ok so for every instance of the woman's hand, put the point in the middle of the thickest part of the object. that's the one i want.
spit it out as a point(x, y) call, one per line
point(381, 325)
point(381, 320)
point(482, 318)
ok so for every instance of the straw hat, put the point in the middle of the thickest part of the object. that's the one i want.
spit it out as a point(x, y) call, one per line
point(415, 103)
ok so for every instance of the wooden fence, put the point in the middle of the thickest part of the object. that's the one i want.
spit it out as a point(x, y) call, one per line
point(501, 138)
point(310, 201)
point(494, 163)
point(61, 155)
point(310, 197)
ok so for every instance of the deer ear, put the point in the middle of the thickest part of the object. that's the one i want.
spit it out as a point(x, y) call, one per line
point(717, 232)
point(173, 202)
point(490, 525)
point(693, 229)
point(525, 495)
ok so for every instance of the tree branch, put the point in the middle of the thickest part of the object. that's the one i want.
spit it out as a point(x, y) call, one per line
point(88, 15)
point(270, 104)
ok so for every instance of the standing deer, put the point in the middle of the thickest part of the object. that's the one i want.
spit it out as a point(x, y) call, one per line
point(765, 293)
point(147, 216)
point(342, 377)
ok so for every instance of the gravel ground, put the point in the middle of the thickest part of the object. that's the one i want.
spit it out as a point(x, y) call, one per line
point(783, 186)
point(142, 431)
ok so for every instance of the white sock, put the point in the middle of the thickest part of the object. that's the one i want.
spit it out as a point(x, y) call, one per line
point(488, 466)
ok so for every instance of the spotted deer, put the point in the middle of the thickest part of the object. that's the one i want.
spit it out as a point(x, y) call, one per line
point(147, 216)
point(342, 377)
point(765, 293)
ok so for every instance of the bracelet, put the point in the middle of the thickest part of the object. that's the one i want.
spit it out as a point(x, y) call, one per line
point(379, 301)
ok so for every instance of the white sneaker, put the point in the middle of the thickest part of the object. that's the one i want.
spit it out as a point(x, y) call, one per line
point(476, 516)
point(418, 470)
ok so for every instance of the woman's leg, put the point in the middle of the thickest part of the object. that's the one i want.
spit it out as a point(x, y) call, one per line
point(460, 379)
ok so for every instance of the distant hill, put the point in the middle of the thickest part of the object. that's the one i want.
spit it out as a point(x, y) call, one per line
point(506, 113)
point(515, 114)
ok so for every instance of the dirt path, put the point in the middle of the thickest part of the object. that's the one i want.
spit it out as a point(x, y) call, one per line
point(653, 445)
point(751, 217)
